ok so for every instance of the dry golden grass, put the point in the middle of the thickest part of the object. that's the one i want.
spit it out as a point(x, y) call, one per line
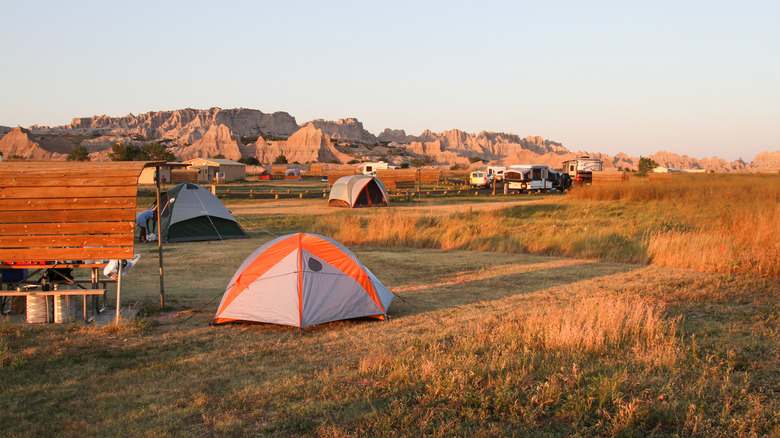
point(708, 222)
point(490, 341)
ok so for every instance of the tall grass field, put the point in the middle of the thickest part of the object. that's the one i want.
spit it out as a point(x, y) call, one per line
point(630, 310)
point(719, 223)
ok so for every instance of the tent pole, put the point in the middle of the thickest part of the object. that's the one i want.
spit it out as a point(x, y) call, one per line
point(159, 242)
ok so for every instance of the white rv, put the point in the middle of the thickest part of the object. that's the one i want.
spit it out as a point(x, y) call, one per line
point(529, 177)
point(496, 173)
point(581, 169)
point(371, 168)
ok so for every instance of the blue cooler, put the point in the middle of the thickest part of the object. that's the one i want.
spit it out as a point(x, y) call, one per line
point(14, 274)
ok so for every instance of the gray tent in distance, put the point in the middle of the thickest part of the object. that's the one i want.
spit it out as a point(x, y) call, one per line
point(358, 191)
point(191, 212)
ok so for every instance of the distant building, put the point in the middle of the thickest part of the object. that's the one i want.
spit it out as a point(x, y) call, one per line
point(220, 169)
point(148, 174)
point(661, 169)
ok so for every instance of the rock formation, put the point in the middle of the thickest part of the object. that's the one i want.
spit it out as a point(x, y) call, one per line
point(395, 135)
point(309, 144)
point(241, 132)
point(767, 161)
point(219, 139)
point(21, 142)
point(187, 125)
point(349, 129)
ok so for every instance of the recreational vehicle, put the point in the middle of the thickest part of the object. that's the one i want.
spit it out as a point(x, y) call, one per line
point(530, 177)
point(581, 169)
point(371, 168)
point(496, 173)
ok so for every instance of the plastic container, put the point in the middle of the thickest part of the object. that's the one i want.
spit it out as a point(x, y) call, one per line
point(64, 308)
point(37, 309)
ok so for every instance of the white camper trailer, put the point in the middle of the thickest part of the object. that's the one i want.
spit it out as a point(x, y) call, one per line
point(528, 177)
point(371, 168)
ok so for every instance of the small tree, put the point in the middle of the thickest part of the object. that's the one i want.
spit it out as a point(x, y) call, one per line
point(249, 161)
point(125, 152)
point(155, 152)
point(425, 160)
point(78, 153)
point(646, 165)
point(218, 156)
point(281, 159)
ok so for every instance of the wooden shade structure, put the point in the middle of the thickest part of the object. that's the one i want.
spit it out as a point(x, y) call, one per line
point(68, 213)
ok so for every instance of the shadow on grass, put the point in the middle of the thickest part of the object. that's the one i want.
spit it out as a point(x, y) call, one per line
point(531, 210)
point(490, 285)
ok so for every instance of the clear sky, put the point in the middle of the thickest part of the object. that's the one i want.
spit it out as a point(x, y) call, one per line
point(700, 78)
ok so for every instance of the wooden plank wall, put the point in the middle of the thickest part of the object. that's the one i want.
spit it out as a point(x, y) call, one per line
point(184, 176)
point(334, 175)
point(57, 211)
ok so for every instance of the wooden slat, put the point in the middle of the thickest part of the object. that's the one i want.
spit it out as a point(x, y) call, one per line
point(334, 175)
point(430, 175)
point(58, 211)
point(66, 241)
point(67, 203)
point(55, 216)
point(66, 192)
point(22, 180)
point(52, 166)
point(125, 227)
point(102, 253)
point(14, 293)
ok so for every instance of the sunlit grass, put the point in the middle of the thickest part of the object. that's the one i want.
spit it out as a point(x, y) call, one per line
point(493, 333)
point(707, 222)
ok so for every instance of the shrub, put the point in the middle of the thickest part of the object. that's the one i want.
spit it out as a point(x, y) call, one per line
point(79, 153)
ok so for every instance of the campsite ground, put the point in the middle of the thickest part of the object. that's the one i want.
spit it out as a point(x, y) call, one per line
point(480, 342)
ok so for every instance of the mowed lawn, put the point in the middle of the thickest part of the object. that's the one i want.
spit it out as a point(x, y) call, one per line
point(478, 344)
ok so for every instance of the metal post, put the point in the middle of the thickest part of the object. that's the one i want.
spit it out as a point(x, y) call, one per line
point(118, 291)
point(159, 242)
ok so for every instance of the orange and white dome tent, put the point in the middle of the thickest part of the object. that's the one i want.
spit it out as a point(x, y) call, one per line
point(302, 280)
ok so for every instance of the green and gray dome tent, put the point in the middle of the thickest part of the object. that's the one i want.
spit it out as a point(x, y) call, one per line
point(358, 191)
point(190, 212)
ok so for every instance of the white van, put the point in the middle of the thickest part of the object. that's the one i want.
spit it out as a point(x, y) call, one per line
point(530, 177)
point(479, 179)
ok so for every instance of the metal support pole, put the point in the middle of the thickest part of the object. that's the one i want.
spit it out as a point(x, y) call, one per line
point(159, 243)
point(118, 291)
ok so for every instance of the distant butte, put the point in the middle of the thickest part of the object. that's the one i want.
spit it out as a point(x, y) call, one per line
point(243, 133)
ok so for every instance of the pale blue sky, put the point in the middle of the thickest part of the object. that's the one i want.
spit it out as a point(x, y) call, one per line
point(700, 78)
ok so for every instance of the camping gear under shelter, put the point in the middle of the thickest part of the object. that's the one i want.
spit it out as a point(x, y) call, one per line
point(302, 280)
point(358, 191)
point(191, 212)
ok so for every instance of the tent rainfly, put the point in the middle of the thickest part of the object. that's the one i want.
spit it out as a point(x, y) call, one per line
point(302, 280)
point(190, 212)
point(358, 191)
